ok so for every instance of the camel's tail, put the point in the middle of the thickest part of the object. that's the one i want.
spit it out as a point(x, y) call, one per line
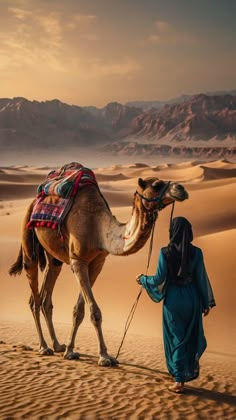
point(17, 267)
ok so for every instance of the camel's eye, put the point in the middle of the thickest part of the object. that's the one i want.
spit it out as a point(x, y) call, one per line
point(158, 185)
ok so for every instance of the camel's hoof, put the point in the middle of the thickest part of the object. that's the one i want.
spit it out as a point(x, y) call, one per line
point(71, 356)
point(46, 352)
point(114, 361)
point(107, 361)
point(59, 348)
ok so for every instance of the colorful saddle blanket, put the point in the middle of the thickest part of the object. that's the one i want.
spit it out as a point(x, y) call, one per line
point(55, 195)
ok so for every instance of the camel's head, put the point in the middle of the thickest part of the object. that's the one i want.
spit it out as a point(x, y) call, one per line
point(156, 194)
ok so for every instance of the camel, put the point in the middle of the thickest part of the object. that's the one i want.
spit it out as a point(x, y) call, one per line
point(91, 232)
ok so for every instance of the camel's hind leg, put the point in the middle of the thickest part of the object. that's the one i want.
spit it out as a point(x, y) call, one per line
point(30, 252)
point(42, 299)
point(31, 268)
point(51, 274)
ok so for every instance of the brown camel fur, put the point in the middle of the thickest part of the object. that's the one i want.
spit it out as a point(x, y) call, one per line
point(90, 233)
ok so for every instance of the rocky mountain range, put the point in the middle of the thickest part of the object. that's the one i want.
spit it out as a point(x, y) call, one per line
point(200, 118)
point(174, 128)
point(147, 105)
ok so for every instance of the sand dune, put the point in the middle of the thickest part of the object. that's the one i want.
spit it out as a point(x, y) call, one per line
point(26, 180)
point(216, 173)
point(50, 387)
point(117, 177)
point(8, 191)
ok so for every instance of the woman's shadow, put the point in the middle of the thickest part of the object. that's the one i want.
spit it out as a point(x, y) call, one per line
point(203, 393)
point(160, 375)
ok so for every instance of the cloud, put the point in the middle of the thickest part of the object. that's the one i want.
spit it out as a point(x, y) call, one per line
point(165, 33)
point(163, 27)
point(85, 19)
point(81, 22)
point(20, 14)
point(36, 41)
point(84, 26)
point(50, 27)
point(35, 38)
point(126, 67)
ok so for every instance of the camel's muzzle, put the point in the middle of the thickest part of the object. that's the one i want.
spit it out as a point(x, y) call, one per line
point(178, 192)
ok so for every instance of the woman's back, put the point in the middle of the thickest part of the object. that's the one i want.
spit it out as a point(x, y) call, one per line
point(182, 283)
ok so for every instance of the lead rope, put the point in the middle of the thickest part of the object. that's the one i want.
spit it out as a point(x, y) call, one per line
point(131, 314)
point(172, 212)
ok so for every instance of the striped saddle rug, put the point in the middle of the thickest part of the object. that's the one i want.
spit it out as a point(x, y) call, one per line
point(55, 195)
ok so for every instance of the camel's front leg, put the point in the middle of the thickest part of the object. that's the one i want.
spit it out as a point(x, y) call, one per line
point(86, 277)
point(94, 270)
point(78, 316)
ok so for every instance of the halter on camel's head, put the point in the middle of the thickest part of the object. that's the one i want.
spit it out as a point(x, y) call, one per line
point(156, 194)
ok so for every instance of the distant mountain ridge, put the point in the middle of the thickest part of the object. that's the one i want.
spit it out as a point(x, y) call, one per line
point(34, 124)
point(147, 105)
point(200, 118)
point(28, 123)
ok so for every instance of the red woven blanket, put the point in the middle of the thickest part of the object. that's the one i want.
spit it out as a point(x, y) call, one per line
point(55, 195)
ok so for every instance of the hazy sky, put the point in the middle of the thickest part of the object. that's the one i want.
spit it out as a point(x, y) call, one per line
point(91, 52)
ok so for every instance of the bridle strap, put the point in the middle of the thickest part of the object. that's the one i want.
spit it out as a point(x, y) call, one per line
point(159, 198)
point(156, 199)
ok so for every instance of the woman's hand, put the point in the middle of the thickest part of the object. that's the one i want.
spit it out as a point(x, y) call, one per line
point(138, 278)
point(206, 311)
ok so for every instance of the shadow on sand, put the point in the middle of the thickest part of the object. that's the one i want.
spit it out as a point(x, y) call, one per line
point(220, 397)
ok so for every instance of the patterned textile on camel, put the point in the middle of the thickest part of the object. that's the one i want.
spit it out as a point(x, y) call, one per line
point(55, 195)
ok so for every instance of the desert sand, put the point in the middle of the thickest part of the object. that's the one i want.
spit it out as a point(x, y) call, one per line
point(43, 387)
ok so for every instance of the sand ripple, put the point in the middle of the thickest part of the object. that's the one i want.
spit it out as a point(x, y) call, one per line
point(39, 387)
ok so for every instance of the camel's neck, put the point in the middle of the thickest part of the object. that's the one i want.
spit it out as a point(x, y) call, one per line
point(126, 239)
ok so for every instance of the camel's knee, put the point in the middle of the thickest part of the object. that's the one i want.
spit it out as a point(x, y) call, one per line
point(34, 306)
point(78, 313)
point(78, 265)
point(79, 310)
point(74, 264)
point(95, 315)
point(47, 307)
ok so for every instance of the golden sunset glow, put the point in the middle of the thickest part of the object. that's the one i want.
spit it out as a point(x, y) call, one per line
point(90, 53)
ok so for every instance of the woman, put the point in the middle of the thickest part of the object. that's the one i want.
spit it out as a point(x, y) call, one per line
point(181, 280)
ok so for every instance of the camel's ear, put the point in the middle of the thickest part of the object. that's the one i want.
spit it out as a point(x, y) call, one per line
point(155, 183)
point(141, 183)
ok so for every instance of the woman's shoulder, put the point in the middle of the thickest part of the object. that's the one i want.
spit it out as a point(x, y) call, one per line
point(164, 251)
point(197, 251)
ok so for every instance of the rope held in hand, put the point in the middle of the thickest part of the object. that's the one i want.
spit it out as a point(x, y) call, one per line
point(131, 314)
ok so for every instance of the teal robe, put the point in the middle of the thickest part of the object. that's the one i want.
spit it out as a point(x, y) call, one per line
point(183, 334)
